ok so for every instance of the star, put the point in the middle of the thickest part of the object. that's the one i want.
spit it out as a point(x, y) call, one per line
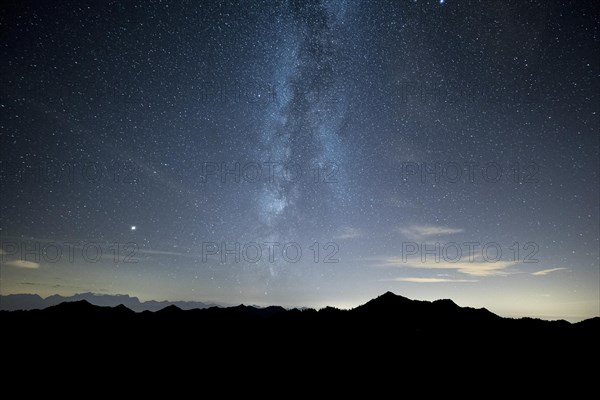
point(133, 227)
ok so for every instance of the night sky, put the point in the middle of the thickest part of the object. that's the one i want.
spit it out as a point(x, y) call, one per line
point(303, 153)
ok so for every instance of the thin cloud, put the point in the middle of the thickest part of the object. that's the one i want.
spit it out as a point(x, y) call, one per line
point(419, 232)
point(432, 280)
point(23, 264)
point(348, 232)
point(475, 268)
point(168, 253)
point(188, 253)
point(546, 271)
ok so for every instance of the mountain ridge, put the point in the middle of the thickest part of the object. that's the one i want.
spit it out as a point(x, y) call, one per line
point(387, 327)
point(439, 309)
point(14, 302)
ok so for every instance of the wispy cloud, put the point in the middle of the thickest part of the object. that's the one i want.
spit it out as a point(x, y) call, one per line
point(547, 271)
point(168, 253)
point(474, 268)
point(348, 232)
point(420, 232)
point(431, 280)
point(23, 264)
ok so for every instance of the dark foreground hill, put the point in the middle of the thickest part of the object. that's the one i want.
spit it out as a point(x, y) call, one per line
point(387, 316)
point(390, 329)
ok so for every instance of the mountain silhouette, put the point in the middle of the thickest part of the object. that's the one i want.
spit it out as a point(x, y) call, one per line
point(388, 307)
point(14, 302)
point(419, 335)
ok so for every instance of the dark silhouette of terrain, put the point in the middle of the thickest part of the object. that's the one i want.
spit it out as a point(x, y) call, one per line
point(390, 329)
point(388, 314)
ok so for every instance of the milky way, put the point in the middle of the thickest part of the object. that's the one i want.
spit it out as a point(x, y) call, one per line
point(302, 129)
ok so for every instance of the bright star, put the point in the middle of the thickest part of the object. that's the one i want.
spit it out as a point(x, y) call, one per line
point(133, 227)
